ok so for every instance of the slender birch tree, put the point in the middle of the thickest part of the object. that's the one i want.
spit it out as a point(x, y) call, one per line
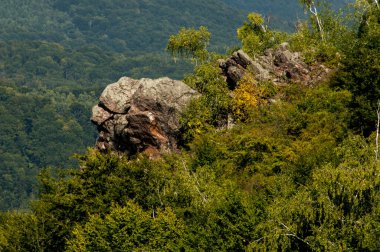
point(311, 5)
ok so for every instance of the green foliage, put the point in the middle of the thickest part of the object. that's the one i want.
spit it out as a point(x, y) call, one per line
point(190, 43)
point(256, 37)
point(335, 212)
point(212, 108)
point(20, 231)
point(77, 47)
point(359, 71)
point(227, 227)
point(291, 176)
point(195, 121)
point(129, 229)
point(245, 98)
point(91, 208)
point(336, 34)
point(144, 26)
point(249, 95)
point(40, 128)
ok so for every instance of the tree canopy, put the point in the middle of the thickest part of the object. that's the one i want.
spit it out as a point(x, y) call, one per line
point(296, 171)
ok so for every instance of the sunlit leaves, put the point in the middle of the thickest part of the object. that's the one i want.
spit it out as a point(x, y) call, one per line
point(129, 228)
point(190, 43)
point(255, 35)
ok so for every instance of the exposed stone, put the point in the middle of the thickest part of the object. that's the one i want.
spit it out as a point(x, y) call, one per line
point(141, 115)
point(234, 74)
point(100, 115)
point(282, 57)
point(280, 66)
point(234, 67)
point(116, 97)
point(260, 72)
point(241, 58)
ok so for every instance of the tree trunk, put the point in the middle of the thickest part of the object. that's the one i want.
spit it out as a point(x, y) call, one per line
point(314, 11)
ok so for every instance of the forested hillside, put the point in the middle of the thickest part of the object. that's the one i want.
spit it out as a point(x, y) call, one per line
point(56, 56)
point(286, 160)
point(121, 26)
point(283, 160)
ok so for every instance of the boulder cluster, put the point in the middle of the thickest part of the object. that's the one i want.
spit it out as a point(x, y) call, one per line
point(140, 115)
point(281, 66)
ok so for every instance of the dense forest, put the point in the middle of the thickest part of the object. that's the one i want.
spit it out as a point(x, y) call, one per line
point(298, 171)
point(56, 57)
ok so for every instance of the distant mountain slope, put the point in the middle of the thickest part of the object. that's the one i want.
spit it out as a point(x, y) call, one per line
point(135, 25)
point(116, 25)
point(281, 14)
point(145, 25)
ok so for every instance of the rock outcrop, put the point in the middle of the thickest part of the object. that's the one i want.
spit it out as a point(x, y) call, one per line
point(280, 66)
point(136, 116)
point(140, 115)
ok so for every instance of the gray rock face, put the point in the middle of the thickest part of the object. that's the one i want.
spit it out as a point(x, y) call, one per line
point(280, 66)
point(140, 115)
point(117, 96)
point(100, 115)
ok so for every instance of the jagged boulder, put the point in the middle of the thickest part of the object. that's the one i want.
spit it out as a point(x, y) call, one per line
point(140, 115)
point(281, 66)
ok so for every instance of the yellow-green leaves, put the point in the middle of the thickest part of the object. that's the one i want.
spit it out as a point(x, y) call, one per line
point(249, 95)
point(190, 43)
point(255, 35)
point(245, 98)
point(129, 228)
